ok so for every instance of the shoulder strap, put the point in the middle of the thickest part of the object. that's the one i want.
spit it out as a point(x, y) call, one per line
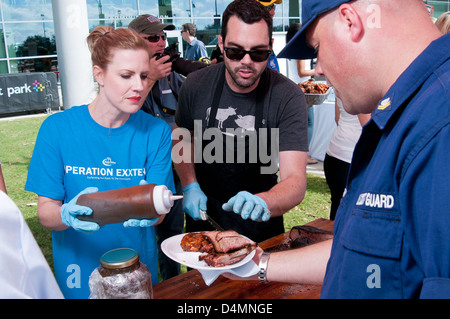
point(156, 94)
point(216, 99)
point(261, 91)
point(157, 97)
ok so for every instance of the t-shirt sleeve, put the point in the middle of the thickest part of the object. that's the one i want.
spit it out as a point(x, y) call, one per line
point(159, 169)
point(183, 115)
point(292, 117)
point(46, 171)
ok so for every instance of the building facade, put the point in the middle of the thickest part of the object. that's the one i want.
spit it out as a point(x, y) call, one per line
point(28, 35)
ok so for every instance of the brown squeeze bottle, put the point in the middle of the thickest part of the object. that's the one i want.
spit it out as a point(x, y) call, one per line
point(118, 205)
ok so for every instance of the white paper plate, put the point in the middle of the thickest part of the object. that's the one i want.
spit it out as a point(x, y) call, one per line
point(171, 247)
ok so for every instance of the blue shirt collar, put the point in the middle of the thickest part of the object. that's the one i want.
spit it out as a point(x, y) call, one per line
point(411, 79)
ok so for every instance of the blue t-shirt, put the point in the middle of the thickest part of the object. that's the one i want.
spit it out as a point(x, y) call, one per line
point(195, 50)
point(392, 237)
point(73, 152)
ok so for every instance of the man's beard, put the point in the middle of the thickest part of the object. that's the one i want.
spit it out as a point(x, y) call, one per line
point(240, 82)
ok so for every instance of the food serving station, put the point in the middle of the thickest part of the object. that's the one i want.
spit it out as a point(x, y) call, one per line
point(191, 285)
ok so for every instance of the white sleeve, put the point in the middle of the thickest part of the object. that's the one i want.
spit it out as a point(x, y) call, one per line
point(24, 272)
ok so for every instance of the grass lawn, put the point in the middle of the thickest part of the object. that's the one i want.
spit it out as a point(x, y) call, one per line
point(17, 138)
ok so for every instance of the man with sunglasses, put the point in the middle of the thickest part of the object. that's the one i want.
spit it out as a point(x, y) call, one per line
point(162, 99)
point(162, 102)
point(235, 99)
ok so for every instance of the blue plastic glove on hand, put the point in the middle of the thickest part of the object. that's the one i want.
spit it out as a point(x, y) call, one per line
point(71, 210)
point(140, 222)
point(194, 200)
point(248, 206)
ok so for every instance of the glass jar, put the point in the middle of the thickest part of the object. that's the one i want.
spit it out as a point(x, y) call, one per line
point(121, 276)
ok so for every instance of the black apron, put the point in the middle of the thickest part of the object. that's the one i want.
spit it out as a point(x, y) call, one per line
point(221, 181)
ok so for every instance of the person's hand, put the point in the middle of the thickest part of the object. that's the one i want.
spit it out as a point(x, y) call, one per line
point(248, 206)
point(194, 200)
point(159, 69)
point(71, 210)
point(140, 222)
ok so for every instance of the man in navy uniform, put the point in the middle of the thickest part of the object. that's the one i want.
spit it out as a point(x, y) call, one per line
point(391, 234)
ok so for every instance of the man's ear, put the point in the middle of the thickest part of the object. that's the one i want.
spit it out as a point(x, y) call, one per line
point(98, 74)
point(352, 21)
point(220, 43)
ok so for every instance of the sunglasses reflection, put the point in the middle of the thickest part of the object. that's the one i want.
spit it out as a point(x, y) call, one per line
point(156, 37)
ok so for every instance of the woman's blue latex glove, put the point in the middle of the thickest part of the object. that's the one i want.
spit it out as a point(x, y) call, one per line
point(71, 210)
point(140, 222)
point(194, 200)
point(248, 206)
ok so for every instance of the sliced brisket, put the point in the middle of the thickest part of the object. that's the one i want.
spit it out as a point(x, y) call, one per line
point(222, 247)
point(224, 259)
point(229, 240)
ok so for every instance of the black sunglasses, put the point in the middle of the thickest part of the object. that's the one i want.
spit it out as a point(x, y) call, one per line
point(236, 54)
point(271, 7)
point(156, 37)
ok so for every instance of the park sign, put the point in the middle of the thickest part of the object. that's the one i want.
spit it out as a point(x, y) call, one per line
point(25, 92)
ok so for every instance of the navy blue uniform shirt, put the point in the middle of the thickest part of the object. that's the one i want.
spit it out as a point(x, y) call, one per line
point(392, 229)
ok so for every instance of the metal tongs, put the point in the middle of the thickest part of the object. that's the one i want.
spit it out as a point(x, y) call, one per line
point(213, 223)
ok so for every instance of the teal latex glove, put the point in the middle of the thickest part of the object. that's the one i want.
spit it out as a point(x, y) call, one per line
point(71, 210)
point(248, 206)
point(140, 222)
point(194, 200)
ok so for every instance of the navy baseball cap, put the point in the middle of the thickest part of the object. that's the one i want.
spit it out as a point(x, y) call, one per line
point(297, 48)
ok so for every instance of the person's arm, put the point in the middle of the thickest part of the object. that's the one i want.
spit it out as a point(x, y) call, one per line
point(363, 118)
point(305, 265)
point(301, 69)
point(194, 200)
point(2, 181)
point(337, 113)
point(49, 213)
point(290, 191)
point(202, 50)
point(184, 166)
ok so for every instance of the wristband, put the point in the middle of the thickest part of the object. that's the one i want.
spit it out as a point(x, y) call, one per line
point(263, 261)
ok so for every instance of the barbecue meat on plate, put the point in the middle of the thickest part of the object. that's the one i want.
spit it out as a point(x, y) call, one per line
point(221, 248)
point(195, 242)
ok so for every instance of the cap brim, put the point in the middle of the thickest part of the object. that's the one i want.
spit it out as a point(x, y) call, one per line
point(268, 3)
point(168, 27)
point(151, 29)
point(297, 48)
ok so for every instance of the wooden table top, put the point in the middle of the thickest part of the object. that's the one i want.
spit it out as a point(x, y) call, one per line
point(190, 285)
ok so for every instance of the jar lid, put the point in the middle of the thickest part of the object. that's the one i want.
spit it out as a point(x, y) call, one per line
point(119, 258)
